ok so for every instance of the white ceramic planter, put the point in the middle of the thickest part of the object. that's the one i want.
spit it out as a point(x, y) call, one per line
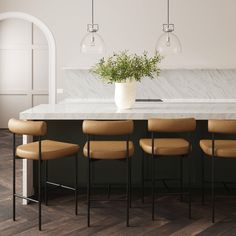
point(125, 94)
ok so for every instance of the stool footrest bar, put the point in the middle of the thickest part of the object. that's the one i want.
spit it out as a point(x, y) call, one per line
point(108, 200)
point(60, 185)
point(158, 179)
point(175, 193)
point(26, 198)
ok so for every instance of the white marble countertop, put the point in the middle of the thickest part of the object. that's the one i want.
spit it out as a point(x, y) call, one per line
point(140, 111)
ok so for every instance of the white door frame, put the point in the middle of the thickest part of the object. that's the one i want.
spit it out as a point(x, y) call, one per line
point(27, 175)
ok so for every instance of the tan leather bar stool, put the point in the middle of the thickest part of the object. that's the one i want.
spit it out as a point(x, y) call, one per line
point(41, 151)
point(217, 148)
point(108, 150)
point(166, 147)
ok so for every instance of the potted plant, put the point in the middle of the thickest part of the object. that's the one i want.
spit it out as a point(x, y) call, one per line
point(125, 70)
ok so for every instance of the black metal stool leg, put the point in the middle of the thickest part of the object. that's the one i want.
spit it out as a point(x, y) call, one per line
point(142, 173)
point(153, 179)
point(76, 184)
point(14, 180)
point(128, 191)
point(88, 191)
point(190, 187)
point(213, 188)
point(153, 188)
point(203, 179)
point(39, 183)
point(45, 183)
point(181, 179)
point(39, 193)
point(130, 187)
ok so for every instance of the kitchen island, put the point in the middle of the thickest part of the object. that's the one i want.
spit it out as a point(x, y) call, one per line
point(65, 120)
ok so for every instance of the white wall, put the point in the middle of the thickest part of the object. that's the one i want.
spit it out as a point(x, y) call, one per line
point(205, 27)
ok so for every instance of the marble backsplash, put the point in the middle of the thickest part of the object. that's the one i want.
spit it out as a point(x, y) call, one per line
point(171, 84)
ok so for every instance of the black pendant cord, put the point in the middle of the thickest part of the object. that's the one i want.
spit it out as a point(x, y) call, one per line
point(92, 12)
point(168, 13)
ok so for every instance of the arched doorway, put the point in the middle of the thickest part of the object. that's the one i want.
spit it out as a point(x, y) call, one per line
point(51, 47)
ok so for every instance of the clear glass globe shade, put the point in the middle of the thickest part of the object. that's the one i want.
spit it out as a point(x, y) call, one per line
point(92, 43)
point(168, 43)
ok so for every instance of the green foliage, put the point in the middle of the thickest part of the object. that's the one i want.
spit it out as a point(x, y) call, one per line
point(122, 66)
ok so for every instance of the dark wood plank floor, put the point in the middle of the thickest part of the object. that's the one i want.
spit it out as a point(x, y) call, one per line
point(108, 218)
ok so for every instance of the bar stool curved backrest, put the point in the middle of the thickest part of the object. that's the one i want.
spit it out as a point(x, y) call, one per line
point(96, 127)
point(21, 127)
point(222, 126)
point(109, 150)
point(172, 125)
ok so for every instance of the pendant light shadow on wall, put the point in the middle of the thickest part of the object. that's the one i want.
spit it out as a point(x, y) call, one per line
point(168, 43)
point(92, 43)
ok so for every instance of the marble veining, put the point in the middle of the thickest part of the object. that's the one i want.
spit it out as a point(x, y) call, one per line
point(140, 111)
point(171, 84)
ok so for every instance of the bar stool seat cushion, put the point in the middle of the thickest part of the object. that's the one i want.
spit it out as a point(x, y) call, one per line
point(108, 150)
point(223, 148)
point(166, 146)
point(50, 150)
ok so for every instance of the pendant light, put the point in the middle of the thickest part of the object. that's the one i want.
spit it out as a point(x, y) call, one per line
point(92, 43)
point(168, 43)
